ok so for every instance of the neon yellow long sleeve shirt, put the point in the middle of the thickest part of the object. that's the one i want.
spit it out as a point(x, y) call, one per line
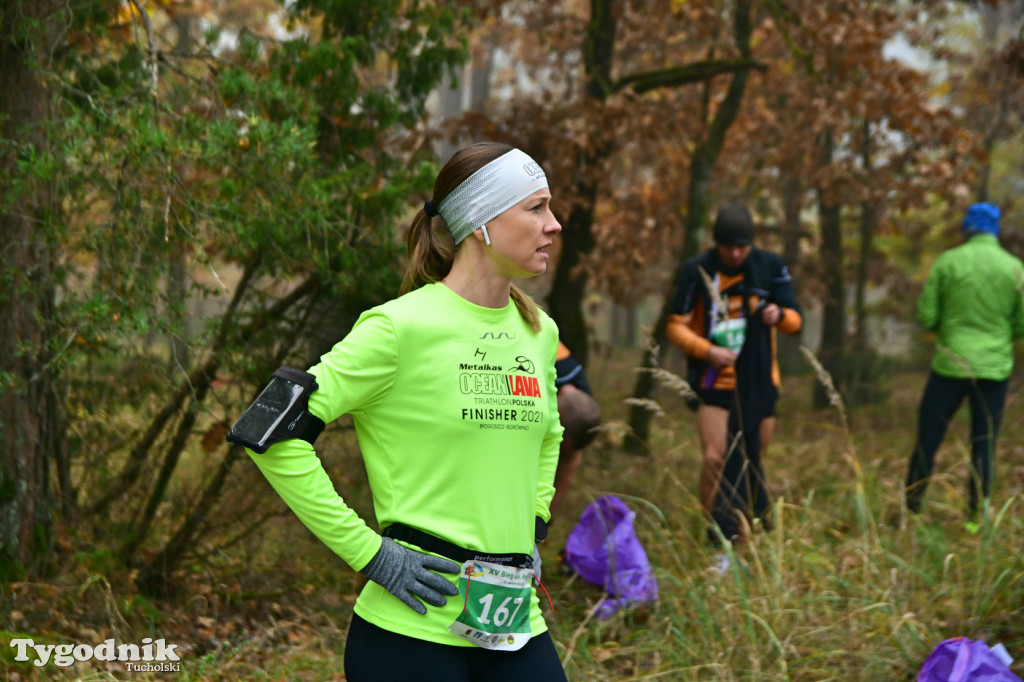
point(455, 411)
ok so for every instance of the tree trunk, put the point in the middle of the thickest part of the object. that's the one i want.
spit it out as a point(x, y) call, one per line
point(867, 234)
point(991, 18)
point(180, 360)
point(31, 423)
point(790, 357)
point(480, 75)
point(565, 302)
point(701, 167)
point(451, 107)
point(645, 387)
point(992, 137)
point(834, 324)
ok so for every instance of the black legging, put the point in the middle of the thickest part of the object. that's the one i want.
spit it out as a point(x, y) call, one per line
point(373, 654)
point(942, 398)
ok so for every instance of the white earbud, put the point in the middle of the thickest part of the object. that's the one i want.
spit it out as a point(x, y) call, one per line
point(487, 239)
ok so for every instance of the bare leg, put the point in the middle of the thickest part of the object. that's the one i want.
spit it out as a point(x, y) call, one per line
point(767, 431)
point(712, 427)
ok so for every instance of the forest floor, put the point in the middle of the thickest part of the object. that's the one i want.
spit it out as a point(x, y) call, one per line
point(845, 586)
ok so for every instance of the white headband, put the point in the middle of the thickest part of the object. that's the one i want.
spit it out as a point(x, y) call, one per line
point(491, 191)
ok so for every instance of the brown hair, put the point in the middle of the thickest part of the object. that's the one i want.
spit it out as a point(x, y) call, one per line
point(430, 246)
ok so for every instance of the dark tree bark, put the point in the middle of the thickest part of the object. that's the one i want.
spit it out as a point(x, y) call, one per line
point(566, 299)
point(991, 139)
point(790, 357)
point(31, 422)
point(992, 17)
point(565, 302)
point(868, 220)
point(833, 337)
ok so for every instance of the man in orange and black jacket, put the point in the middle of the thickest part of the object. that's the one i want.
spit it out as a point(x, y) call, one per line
point(729, 302)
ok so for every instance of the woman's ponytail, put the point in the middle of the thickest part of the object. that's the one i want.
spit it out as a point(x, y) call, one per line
point(527, 307)
point(431, 253)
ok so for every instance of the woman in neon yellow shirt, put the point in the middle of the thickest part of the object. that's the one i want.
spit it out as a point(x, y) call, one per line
point(451, 387)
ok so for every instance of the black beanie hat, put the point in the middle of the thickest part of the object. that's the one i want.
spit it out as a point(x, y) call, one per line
point(733, 226)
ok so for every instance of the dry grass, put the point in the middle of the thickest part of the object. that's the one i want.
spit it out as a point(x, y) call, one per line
point(844, 587)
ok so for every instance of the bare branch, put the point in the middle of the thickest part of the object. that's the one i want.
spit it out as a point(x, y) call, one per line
point(154, 69)
point(683, 75)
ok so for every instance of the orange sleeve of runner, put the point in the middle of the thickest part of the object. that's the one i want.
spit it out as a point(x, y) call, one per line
point(679, 332)
point(791, 321)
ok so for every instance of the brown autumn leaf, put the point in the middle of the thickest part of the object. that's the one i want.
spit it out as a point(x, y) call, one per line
point(214, 437)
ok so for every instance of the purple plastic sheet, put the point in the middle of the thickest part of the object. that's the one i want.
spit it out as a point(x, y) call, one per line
point(604, 549)
point(964, 660)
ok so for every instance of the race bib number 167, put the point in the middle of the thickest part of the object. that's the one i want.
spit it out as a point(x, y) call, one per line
point(497, 606)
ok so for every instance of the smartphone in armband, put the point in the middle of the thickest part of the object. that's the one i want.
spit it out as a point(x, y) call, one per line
point(279, 412)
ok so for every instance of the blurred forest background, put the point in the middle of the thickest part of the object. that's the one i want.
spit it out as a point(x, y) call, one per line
point(195, 192)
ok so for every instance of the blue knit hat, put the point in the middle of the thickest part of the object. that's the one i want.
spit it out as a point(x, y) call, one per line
point(982, 217)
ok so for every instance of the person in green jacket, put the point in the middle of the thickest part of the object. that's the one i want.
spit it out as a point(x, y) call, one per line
point(973, 301)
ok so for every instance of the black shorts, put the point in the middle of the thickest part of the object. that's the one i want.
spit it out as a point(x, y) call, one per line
point(725, 400)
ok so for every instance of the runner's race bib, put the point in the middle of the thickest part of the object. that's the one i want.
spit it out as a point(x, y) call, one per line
point(730, 334)
point(497, 606)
